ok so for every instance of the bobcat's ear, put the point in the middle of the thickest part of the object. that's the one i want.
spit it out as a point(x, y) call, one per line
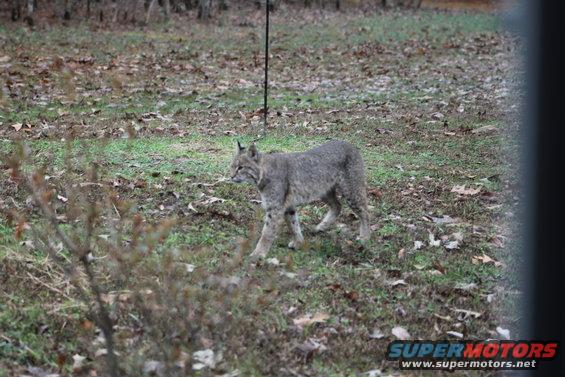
point(239, 147)
point(253, 153)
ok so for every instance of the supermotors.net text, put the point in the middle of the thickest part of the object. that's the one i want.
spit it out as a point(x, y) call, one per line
point(475, 364)
point(483, 355)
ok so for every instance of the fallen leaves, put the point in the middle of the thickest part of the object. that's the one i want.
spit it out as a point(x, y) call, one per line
point(464, 314)
point(311, 345)
point(485, 259)
point(440, 220)
point(461, 190)
point(485, 130)
point(455, 334)
point(400, 333)
point(205, 359)
point(308, 319)
point(78, 363)
point(397, 283)
point(376, 334)
point(452, 245)
point(504, 333)
point(205, 200)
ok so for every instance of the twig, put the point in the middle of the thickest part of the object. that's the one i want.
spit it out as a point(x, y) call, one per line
point(102, 317)
point(48, 286)
point(266, 88)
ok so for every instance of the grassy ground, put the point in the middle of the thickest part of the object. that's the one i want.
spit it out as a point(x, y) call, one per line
point(423, 95)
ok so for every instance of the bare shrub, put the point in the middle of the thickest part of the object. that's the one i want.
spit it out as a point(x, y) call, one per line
point(154, 311)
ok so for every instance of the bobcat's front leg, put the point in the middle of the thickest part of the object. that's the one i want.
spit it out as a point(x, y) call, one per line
point(273, 218)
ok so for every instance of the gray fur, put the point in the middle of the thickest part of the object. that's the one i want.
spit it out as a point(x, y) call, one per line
point(288, 180)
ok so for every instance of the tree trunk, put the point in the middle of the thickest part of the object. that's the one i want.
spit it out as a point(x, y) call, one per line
point(29, 11)
point(67, 11)
point(16, 10)
point(189, 4)
point(167, 8)
point(149, 10)
point(204, 9)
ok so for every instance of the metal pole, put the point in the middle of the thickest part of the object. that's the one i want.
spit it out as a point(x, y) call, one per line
point(266, 83)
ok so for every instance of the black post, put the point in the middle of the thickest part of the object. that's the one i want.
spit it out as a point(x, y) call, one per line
point(543, 304)
point(266, 83)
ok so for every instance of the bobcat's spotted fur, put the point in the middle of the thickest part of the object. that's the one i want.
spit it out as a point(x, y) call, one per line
point(288, 180)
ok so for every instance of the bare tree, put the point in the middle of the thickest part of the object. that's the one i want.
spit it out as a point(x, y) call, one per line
point(403, 3)
point(167, 9)
point(16, 10)
point(204, 9)
point(29, 12)
point(149, 10)
point(67, 10)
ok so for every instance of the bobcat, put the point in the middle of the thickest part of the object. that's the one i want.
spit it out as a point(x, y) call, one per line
point(287, 180)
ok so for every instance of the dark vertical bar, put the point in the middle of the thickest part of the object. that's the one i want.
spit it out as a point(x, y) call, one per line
point(544, 156)
point(266, 84)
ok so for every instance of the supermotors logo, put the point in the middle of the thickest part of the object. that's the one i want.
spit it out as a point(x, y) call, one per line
point(519, 354)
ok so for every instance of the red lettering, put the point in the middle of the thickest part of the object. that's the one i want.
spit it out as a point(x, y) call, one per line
point(506, 348)
point(520, 350)
point(535, 351)
point(473, 350)
point(549, 350)
point(490, 350)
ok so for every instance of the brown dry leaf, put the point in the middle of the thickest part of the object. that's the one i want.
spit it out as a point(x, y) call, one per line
point(87, 325)
point(309, 319)
point(401, 253)
point(375, 192)
point(461, 190)
point(17, 126)
point(485, 259)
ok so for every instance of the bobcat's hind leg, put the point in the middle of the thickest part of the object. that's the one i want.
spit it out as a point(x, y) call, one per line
point(356, 196)
point(335, 207)
point(292, 219)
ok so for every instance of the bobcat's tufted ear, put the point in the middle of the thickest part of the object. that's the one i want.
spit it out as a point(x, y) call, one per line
point(239, 147)
point(253, 153)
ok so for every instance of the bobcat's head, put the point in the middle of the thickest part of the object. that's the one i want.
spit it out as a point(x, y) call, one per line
point(245, 165)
